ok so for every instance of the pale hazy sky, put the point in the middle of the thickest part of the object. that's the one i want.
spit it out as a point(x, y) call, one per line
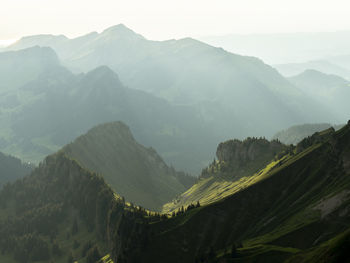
point(164, 19)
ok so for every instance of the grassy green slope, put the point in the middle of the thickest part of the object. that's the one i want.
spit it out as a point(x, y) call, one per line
point(239, 165)
point(132, 170)
point(297, 206)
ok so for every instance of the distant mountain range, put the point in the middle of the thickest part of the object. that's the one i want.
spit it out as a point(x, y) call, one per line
point(180, 96)
point(184, 71)
point(48, 112)
point(295, 134)
point(330, 90)
point(323, 66)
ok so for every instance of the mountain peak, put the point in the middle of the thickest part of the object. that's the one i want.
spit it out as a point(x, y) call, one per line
point(121, 30)
point(133, 171)
point(103, 73)
point(102, 70)
point(116, 128)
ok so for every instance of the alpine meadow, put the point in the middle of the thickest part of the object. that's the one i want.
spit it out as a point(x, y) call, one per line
point(174, 132)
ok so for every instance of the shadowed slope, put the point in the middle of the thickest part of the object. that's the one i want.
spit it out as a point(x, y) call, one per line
point(287, 212)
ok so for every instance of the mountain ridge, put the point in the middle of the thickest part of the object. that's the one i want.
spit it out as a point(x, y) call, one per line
point(282, 217)
point(186, 71)
point(133, 171)
point(36, 123)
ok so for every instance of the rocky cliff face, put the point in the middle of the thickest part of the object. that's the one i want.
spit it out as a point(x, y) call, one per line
point(243, 158)
point(236, 151)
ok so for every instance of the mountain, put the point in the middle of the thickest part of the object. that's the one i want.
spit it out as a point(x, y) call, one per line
point(297, 212)
point(323, 66)
point(295, 134)
point(238, 165)
point(330, 90)
point(281, 48)
point(64, 213)
point(137, 173)
point(12, 168)
point(20, 67)
point(228, 90)
point(56, 107)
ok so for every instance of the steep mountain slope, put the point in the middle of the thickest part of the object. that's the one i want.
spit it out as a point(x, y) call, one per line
point(330, 90)
point(187, 71)
point(237, 167)
point(295, 134)
point(58, 106)
point(11, 169)
point(295, 210)
point(133, 171)
point(64, 213)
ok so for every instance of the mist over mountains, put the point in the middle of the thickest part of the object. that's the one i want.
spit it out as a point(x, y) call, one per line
point(134, 150)
point(281, 48)
point(179, 96)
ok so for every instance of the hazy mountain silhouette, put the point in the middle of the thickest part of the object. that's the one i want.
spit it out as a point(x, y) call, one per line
point(295, 134)
point(233, 90)
point(58, 106)
point(330, 90)
point(323, 66)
